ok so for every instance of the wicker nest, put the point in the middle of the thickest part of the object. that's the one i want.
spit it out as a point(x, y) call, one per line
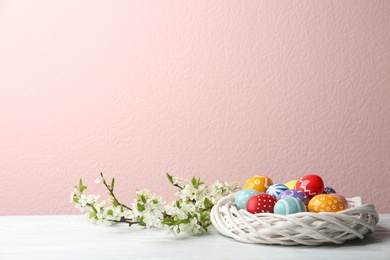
point(304, 228)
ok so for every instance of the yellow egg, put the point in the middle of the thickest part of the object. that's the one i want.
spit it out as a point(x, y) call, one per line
point(259, 183)
point(326, 203)
point(291, 184)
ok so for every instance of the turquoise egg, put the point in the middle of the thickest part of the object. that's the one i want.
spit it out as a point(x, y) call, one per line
point(289, 205)
point(242, 197)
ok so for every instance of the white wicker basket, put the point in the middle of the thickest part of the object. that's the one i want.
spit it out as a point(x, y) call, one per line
point(304, 228)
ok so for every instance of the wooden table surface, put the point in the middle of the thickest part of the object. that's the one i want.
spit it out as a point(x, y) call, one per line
point(74, 237)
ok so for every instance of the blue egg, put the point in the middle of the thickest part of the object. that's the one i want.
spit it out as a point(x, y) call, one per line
point(275, 189)
point(242, 197)
point(289, 205)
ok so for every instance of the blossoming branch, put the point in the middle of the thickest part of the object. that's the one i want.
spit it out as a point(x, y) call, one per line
point(189, 213)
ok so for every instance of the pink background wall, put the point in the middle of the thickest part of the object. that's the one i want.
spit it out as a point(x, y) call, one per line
point(220, 90)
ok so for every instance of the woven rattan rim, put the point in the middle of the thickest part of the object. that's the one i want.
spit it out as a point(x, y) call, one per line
point(304, 228)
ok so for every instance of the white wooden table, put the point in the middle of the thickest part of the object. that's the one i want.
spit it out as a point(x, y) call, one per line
point(73, 237)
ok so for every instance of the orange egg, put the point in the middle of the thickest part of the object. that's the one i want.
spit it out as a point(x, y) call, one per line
point(326, 203)
point(259, 183)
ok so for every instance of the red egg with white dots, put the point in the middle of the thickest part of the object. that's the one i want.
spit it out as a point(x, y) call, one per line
point(261, 203)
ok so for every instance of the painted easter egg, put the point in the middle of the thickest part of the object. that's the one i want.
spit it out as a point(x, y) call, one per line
point(326, 203)
point(242, 197)
point(276, 189)
point(311, 185)
point(261, 203)
point(289, 205)
point(342, 198)
point(328, 190)
point(291, 184)
point(259, 183)
point(294, 194)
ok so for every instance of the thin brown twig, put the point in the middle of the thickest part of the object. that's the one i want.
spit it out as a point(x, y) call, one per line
point(125, 220)
point(111, 190)
point(177, 185)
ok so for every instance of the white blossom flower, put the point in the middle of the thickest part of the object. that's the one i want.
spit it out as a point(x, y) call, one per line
point(153, 213)
point(189, 192)
point(148, 207)
point(176, 212)
point(191, 228)
point(82, 200)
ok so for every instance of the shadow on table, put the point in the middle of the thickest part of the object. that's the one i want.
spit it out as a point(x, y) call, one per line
point(381, 234)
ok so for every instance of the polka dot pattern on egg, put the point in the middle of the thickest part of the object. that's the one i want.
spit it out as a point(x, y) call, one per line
point(261, 203)
point(326, 203)
point(242, 197)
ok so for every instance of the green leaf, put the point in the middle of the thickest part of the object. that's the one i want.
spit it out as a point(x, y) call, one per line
point(75, 199)
point(93, 208)
point(115, 203)
point(194, 182)
point(170, 178)
point(170, 221)
point(81, 187)
point(110, 212)
point(203, 216)
point(140, 207)
point(112, 183)
point(92, 215)
point(207, 202)
point(141, 222)
point(185, 221)
point(200, 182)
point(205, 220)
point(167, 221)
point(143, 199)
